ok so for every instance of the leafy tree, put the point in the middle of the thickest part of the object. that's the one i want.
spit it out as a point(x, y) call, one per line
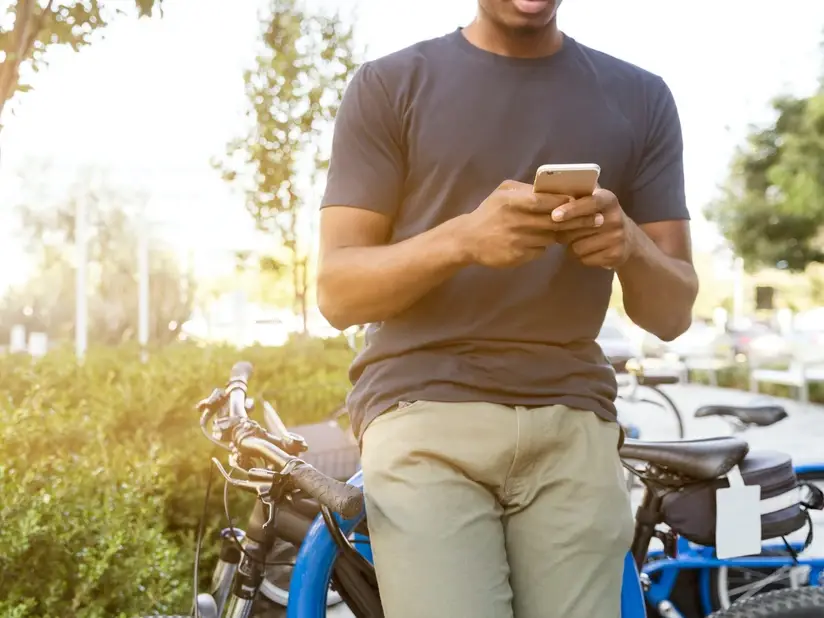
point(46, 302)
point(38, 25)
point(772, 207)
point(293, 90)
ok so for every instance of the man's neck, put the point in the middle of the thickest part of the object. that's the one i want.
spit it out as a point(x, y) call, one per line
point(492, 37)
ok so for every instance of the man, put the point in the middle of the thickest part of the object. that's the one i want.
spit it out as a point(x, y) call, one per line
point(484, 407)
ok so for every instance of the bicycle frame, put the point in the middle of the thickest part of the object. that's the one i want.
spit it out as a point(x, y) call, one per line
point(313, 571)
point(697, 557)
point(239, 572)
point(313, 567)
point(316, 558)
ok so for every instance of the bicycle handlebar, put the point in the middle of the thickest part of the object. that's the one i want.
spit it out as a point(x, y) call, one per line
point(241, 371)
point(336, 495)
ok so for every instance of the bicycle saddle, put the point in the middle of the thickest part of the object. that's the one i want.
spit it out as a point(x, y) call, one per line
point(702, 460)
point(762, 416)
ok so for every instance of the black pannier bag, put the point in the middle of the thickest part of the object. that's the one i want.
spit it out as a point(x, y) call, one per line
point(690, 511)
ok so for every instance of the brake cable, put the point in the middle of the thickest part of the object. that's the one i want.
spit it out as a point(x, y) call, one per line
point(347, 550)
point(235, 538)
point(199, 542)
point(210, 406)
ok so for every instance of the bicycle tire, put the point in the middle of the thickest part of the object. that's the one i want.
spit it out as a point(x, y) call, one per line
point(800, 603)
point(719, 582)
point(275, 584)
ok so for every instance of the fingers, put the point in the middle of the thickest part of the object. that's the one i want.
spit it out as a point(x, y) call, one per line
point(571, 236)
point(582, 225)
point(607, 250)
point(584, 207)
point(598, 202)
point(552, 212)
point(514, 185)
point(538, 239)
point(591, 244)
point(605, 258)
point(537, 203)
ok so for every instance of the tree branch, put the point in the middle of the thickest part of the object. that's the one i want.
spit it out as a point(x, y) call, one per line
point(24, 36)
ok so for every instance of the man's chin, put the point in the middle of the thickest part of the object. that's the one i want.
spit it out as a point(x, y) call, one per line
point(533, 7)
point(528, 27)
point(531, 22)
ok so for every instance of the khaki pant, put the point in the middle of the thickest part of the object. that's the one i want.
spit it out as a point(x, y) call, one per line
point(478, 510)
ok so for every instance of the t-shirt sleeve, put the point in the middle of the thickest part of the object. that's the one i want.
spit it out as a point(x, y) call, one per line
point(366, 169)
point(656, 192)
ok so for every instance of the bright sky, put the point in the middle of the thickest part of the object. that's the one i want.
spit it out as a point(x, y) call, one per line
point(156, 100)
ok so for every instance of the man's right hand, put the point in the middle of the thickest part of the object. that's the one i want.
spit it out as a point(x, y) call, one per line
point(513, 225)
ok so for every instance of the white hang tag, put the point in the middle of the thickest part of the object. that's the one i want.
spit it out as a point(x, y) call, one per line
point(738, 518)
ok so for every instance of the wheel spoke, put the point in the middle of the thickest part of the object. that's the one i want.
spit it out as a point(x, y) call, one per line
point(755, 587)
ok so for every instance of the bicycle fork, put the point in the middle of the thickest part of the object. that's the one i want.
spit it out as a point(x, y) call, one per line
point(211, 605)
point(248, 577)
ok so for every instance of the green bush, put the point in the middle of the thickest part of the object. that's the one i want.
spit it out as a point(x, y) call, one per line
point(103, 469)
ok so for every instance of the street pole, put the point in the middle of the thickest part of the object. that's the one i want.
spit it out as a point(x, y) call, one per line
point(738, 290)
point(143, 285)
point(81, 321)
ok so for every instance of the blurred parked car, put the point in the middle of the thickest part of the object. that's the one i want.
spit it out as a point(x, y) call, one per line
point(616, 344)
point(808, 328)
point(758, 339)
point(701, 340)
point(652, 346)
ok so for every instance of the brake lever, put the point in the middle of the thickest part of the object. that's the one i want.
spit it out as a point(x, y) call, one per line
point(261, 474)
point(657, 404)
point(268, 491)
point(213, 401)
point(259, 487)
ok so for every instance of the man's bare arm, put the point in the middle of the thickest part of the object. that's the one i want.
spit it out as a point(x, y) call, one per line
point(658, 280)
point(362, 279)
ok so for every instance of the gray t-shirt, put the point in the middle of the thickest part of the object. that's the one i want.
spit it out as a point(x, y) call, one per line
point(426, 134)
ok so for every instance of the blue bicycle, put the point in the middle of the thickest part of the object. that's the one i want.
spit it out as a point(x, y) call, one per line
point(679, 478)
point(689, 579)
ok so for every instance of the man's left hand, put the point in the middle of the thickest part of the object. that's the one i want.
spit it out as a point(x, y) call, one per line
point(610, 244)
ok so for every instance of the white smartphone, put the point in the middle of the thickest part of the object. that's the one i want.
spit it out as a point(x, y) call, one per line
point(573, 179)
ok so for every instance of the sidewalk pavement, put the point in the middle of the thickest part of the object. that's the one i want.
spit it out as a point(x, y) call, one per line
point(801, 435)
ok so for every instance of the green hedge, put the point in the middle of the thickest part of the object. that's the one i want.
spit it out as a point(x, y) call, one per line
point(103, 468)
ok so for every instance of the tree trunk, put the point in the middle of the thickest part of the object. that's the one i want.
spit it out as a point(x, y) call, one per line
point(23, 40)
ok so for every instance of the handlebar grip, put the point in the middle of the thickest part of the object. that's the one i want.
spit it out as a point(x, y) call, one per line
point(342, 498)
point(241, 371)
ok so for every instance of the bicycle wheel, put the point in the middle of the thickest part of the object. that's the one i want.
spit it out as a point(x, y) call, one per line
point(676, 417)
point(275, 586)
point(653, 413)
point(801, 603)
point(731, 584)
